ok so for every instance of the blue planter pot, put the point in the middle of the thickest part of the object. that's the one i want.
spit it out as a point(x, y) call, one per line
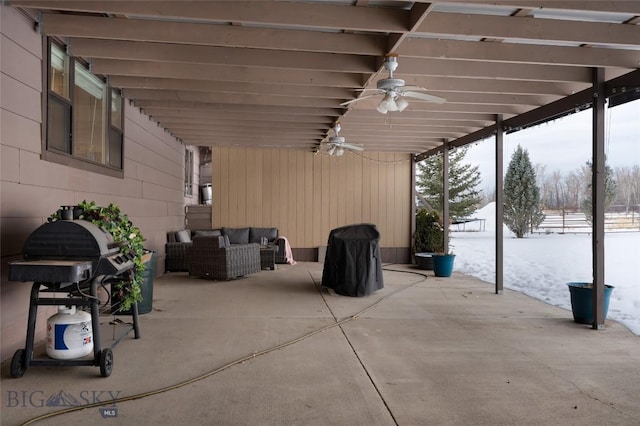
point(443, 264)
point(582, 301)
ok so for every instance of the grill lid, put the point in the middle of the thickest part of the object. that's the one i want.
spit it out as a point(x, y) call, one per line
point(69, 239)
point(69, 251)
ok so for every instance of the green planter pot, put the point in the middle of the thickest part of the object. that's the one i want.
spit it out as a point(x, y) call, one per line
point(424, 261)
point(582, 301)
point(146, 288)
point(443, 264)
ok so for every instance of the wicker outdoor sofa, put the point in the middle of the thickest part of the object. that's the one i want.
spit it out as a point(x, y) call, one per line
point(179, 243)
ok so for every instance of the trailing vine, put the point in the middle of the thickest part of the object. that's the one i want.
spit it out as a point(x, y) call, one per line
point(130, 240)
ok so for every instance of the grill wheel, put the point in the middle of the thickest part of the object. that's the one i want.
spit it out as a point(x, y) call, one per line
point(18, 363)
point(106, 362)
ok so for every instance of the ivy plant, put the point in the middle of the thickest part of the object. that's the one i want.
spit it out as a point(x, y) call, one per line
point(130, 241)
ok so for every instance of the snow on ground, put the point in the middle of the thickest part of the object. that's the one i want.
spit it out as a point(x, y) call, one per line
point(541, 265)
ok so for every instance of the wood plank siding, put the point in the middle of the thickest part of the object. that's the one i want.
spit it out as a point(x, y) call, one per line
point(306, 195)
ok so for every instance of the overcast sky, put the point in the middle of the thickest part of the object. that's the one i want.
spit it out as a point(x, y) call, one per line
point(565, 144)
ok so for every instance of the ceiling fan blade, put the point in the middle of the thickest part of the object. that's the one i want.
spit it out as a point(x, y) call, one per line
point(414, 88)
point(357, 99)
point(352, 147)
point(424, 97)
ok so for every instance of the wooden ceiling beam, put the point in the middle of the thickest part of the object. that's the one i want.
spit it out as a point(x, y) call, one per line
point(632, 7)
point(517, 27)
point(418, 115)
point(65, 25)
point(183, 123)
point(227, 98)
point(362, 127)
point(229, 131)
point(190, 54)
point(491, 70)
point(397, 135)
point(370, 105)
point(197, 122)
point(225, 73)
point(128, 82)
point(315, 15)
point(518, 53)
point(351, 134)
point(196, 116)
point(256, 141)
point(397, 121)
point(246, 109)
point(485, 85)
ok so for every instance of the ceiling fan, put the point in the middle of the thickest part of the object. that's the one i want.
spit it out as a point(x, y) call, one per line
point(337, 143)
point(394, 91)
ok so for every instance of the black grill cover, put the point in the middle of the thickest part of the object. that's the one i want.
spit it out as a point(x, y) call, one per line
point(352, 264)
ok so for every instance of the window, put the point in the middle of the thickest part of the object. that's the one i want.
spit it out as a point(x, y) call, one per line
point(84, 116)
point(115, 132)
point(89, 119)
point(188, 172)
point(59, 105)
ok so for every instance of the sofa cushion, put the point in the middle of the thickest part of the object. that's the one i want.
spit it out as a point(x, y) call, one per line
point(237, 235)
point(255, 234)
point(223, 241)
point(183, 236)
point(207, 233)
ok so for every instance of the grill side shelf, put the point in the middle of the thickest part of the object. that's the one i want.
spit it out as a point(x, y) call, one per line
point(50, 271)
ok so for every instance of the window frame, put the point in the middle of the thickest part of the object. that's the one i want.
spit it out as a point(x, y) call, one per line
point(188, 172)
point(67, 158)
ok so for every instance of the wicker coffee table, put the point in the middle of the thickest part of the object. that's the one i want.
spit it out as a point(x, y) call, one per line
point(268, 258)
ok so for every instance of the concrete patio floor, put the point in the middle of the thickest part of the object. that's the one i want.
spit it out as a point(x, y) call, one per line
point(274, 348)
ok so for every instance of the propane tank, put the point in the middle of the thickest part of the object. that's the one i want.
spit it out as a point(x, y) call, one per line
point(69, 334)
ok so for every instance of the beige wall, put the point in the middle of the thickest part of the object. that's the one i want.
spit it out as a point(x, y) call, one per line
point(306, 195)
point(151, 192)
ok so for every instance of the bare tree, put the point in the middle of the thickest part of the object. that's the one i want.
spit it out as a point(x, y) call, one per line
point(628, 189)
point(575, 193)
point(559, 190)
point(541, 176)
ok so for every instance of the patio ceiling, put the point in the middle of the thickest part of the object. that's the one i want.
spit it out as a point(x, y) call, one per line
point(274, 73)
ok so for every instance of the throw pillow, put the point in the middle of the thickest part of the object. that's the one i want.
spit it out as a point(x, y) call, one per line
point(237, 235)
point(256, 234)
point(183, 236)
point(223, 241)
point(207, 233)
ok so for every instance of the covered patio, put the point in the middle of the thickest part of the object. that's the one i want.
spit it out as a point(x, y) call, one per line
point(262, 84)
point(275, 348)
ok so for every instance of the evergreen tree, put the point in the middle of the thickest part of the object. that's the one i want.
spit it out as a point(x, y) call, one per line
point(521, 195)
point(610, 186)
point(464, 195)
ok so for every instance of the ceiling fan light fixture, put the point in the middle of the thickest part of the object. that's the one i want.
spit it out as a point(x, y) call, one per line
point(332, 150)
point(387, 104)
point(339, 152)
point(402, 104)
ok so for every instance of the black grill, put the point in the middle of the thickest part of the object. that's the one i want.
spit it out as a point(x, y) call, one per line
point(68, 251)
point(77, 257)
